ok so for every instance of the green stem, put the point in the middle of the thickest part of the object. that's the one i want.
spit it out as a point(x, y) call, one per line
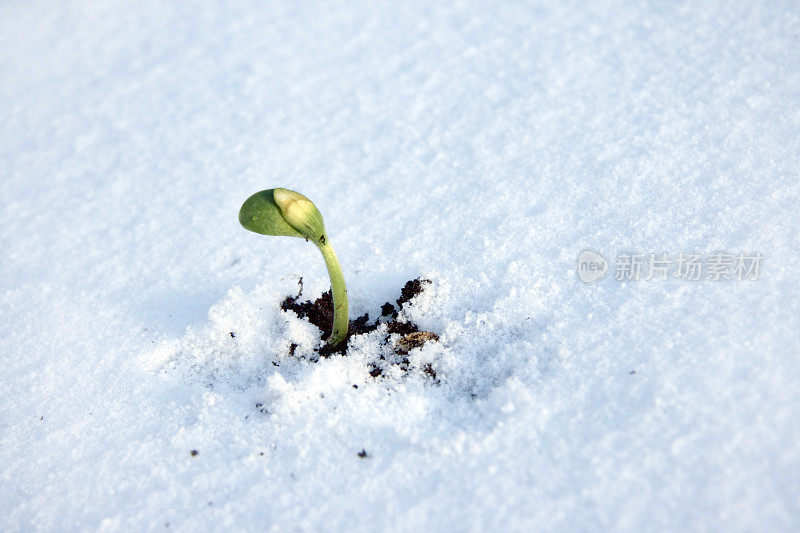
point(341, 317)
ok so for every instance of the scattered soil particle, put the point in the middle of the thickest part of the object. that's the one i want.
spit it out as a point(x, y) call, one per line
point(194, 453)
point(320, 313)
point(428, 369)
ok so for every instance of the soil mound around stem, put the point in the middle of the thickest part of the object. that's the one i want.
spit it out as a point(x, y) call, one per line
point(320, 313)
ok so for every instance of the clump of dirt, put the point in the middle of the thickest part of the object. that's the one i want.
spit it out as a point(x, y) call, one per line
point(414, 340)
point(320, 313)
point(409, 290)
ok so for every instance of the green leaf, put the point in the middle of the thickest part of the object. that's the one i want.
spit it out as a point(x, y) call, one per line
point(261, 214)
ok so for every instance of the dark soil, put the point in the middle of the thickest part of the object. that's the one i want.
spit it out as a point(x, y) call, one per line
point(320, 313)
point(409, 290)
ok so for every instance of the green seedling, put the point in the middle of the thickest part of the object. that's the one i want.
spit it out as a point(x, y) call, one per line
point(289, 213)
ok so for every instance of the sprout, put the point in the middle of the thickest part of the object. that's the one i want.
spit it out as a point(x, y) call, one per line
point(289, 213)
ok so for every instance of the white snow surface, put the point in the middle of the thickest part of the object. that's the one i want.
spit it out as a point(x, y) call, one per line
point(479, 145)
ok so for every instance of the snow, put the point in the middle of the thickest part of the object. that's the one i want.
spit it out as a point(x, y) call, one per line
point(481, 146)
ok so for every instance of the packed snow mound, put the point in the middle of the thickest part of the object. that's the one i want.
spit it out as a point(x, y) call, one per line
point(247, 335)
point(151, 379)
